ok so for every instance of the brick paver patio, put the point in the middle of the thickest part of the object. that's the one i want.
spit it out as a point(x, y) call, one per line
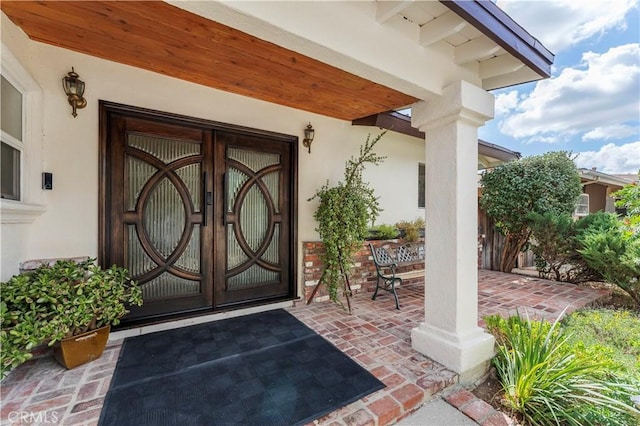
point(377, 336)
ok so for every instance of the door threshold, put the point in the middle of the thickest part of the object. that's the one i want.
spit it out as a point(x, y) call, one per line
point(115, 336)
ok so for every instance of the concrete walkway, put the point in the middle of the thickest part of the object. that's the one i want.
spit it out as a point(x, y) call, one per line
point(437, 413)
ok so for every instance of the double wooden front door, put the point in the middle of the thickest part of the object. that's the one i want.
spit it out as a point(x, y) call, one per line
point(201, 216)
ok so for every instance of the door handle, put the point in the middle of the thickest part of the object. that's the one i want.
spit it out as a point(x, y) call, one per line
point(225, 200)
point(207, 199)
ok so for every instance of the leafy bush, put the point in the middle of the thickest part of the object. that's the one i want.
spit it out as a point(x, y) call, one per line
point(343, 215)
point(616, 255)
point(596, 222)
point(556, 241)
point(598, 247)
point(58, 301)
point(546, 382)
point(553, 245)
point(383, 232)
point(548, 183)
point(615, 333)
point(628, 198)
point(410, 231)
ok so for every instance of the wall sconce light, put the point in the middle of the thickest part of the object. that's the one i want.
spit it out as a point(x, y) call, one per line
point(309, 134)
point(74, 89)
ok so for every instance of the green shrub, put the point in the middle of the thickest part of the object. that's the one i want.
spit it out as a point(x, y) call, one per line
point(546, 382)
point(500, 326)
point(544, 183)
point(554, 246)
point(58, 301)
point(628, 198)
point(383, 232)
point(596, 222)
point(344, 213)
point(558, 239)
point(616, 255)
point(598, 247)
point(410, 231)
point(607, 332)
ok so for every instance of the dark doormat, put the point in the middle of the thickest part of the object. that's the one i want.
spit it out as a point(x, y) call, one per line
point(260, 369)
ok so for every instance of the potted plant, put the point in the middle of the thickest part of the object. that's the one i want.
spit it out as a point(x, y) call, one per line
point(411, 231)
point(68, 303)
point(343, 214)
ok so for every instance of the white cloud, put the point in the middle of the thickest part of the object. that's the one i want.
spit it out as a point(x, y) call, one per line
point(616, 131)
point(560, 24)
point(612, 158)
point(600, 92)
point(506, 102)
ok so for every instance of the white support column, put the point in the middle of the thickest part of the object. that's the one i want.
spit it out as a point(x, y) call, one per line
point(450, 334)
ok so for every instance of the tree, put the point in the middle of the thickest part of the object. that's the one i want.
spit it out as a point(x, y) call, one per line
point(628, 198)
point(547, 183)
point(344, 215)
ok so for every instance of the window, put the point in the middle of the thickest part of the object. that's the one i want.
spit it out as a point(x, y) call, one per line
point(582, 208)
point(10, 171)
point(11, 119)
point(20, 142)
point(421, 186)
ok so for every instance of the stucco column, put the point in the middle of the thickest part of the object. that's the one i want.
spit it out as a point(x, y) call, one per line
point(450, 334)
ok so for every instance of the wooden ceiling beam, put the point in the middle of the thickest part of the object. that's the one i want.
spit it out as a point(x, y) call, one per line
point(162, 38)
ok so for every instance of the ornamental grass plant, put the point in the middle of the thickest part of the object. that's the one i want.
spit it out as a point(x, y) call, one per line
point(546, 382)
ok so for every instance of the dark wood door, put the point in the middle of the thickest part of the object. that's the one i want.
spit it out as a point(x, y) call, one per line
point(159, 228)
point(253, 237)
point(201, 216)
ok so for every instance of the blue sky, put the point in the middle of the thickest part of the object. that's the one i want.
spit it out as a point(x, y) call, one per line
point(591, 104)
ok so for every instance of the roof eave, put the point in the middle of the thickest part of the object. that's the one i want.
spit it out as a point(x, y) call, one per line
point(400, 123)
point(595, 176)
point(502, 29)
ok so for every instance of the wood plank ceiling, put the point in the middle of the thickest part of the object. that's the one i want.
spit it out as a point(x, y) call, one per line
point(159, 37)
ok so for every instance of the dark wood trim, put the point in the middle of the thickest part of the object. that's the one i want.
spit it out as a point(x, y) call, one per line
point(390, 120)
point(293, 237)
point(103, 182)
point(171, 118)
point(502, 29)
point(393, 120)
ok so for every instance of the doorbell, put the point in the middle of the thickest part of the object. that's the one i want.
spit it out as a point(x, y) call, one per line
point(47, 180)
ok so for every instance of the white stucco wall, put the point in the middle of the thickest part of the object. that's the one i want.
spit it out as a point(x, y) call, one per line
point(396, 178)
point(69, 227)
point(341, 33)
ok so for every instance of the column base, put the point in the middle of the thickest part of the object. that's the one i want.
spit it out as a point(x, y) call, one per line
point(468, 354)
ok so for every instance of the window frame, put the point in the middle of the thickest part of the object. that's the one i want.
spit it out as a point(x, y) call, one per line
point(12, 141)
point(16, 194)
point(581, 205)
point(422, 199)
point(27, 209)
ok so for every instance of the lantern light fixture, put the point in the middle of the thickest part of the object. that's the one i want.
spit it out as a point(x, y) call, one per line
point(309, 134)
point(74, 89)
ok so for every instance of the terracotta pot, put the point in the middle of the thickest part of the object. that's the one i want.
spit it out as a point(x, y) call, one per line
point(77, 350)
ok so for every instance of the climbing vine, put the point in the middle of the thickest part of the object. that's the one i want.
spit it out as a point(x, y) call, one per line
point(344, 214)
